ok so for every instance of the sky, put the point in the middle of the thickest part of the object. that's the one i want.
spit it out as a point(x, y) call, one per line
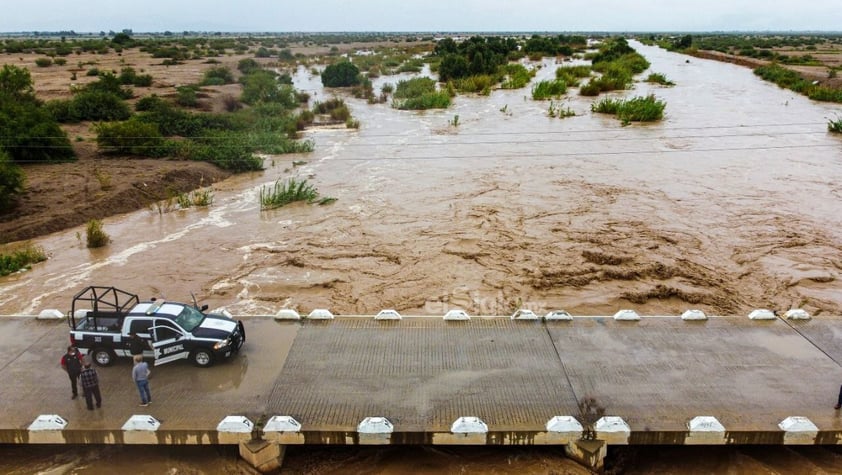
point(419, 15)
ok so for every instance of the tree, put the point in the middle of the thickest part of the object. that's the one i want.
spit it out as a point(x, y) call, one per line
point(16, 83)
point(11, 181)
point(342, 74)
point(453, 66)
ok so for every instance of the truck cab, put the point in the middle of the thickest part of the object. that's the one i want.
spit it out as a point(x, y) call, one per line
point(103, 318)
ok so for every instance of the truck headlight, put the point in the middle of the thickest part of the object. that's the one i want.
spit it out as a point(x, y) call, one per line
point(222, 344)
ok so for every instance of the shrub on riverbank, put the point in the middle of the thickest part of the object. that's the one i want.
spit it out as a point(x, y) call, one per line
point(835, 126)
point(791, 80)
point(21, 258)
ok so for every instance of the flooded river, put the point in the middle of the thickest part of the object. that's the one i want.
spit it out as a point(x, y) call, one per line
point(730, 203)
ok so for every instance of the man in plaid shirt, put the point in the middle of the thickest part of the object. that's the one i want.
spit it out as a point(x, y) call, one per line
point(90, 386)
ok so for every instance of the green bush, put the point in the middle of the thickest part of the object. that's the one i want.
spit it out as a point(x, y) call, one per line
point(95, 236)
point(419, 94)
point(21, 258)
point(148, 103)
point(131, 137)
point(217, 75)
point(835, 126)
point(548, 89)
point(263, 86)
point(341, 74)
point(29, 133)
point(283, 193)
point(186, 96)
point(790, 79)
point(607, 106)
point(480, 83)
point(517, 76)
point(109, 83)
point(12, 181)
point(97, 105)
point(637, 109)
point(128, 76)
point(248, 66)
point(226, 149)
point(579, 71)
point(43, 62)
point(659, 78)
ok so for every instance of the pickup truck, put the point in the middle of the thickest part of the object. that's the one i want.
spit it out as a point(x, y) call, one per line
point(102, 319)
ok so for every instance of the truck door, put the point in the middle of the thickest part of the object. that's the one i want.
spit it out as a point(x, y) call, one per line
point(168, 343)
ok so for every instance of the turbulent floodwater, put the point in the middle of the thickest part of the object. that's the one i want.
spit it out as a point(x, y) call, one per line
point(730, 203)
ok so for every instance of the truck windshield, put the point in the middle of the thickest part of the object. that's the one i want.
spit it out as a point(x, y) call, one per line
point(189, 318)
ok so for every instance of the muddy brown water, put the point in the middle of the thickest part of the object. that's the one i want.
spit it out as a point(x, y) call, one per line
point(730, 203)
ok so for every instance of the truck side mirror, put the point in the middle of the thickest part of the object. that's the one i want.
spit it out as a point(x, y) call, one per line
point(204, 307)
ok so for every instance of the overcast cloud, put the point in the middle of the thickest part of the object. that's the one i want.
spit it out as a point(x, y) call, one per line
point(420, 15)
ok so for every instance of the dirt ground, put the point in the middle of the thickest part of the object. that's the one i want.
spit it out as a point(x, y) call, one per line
point(64, 195)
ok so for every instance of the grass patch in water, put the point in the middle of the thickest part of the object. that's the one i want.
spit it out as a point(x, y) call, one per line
point(283, 193)
point(517, 76)
point(835, 126)
point(637, 109)
point(95, 236)
point(548, 89)
point(419, 94)
point(659, 78)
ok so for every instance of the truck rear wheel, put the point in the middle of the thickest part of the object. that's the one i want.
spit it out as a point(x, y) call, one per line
point(102, 356)
point(201, 357)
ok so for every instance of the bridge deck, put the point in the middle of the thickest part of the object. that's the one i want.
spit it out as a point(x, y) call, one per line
point(424, 373)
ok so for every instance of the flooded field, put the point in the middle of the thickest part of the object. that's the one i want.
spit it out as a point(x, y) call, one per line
point(730, 203)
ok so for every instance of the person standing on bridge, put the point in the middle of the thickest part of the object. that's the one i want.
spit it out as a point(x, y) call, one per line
point(90, 386)
point(72, 363)
point(140, 375)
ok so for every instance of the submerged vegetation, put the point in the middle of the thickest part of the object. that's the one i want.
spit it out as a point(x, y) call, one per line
point(95, 236)
point(289, 191)
point(835, 126)
point(419, 94)
point(549, 89)
point(637, 109)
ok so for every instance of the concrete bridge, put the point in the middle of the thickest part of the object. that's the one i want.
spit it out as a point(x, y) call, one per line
point(582, 383)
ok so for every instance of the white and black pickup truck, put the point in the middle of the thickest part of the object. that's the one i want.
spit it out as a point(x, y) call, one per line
point(103, 318)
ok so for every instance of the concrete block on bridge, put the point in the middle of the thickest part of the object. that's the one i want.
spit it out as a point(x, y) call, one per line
point(283, 430)
point(140, 429)
point(234, 429)
point(47, 429)
point(705, 430)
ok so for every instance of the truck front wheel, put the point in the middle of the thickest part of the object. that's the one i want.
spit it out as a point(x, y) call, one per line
point(102, 356)
point(201, 357)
